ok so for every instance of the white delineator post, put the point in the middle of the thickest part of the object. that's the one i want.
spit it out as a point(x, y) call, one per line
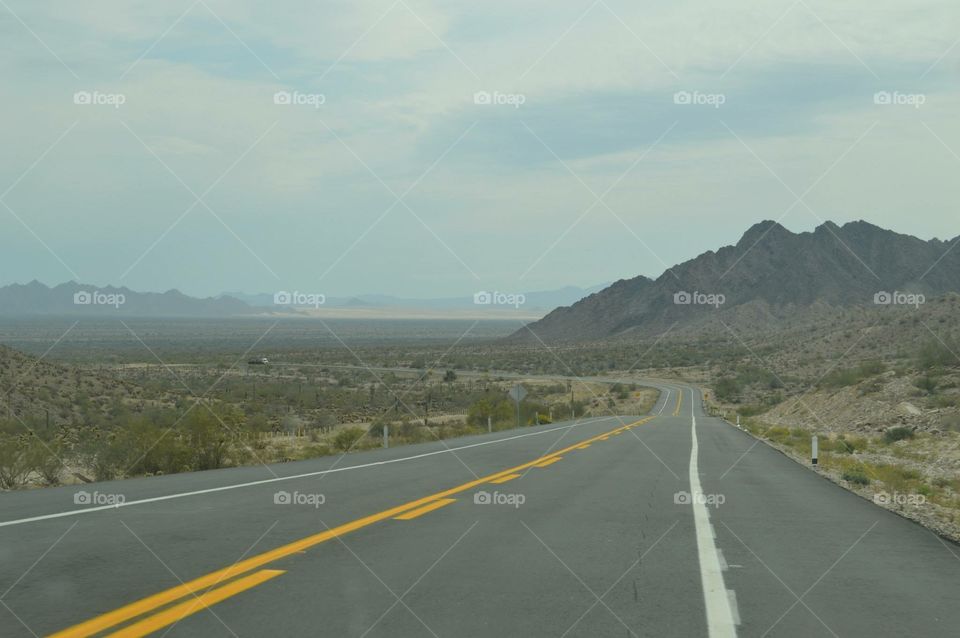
point(814, 451)
point(386, 435)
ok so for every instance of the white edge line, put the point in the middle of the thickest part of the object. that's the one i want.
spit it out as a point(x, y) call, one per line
point(224, 488)
point(665, 401)
point(734, 606)
point(720, 616)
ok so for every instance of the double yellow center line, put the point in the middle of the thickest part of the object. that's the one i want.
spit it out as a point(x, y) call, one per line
point(202, 592)
point(180, 611)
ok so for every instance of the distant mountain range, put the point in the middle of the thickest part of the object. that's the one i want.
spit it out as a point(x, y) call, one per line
point(543, 300)
point(771, 275)
point(71, 298)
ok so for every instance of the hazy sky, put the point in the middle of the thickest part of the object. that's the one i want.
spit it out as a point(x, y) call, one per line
point(385, 174)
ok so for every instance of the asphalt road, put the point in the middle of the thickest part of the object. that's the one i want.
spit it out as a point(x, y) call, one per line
point(570, 529)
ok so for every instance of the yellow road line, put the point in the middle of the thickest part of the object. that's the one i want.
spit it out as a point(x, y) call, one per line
point(547, 462)
point(179, 612)
point(420, 511)
point(504, 479)
point(676, 411)
point(137, 608)
point(604, 438)
point(583, 447)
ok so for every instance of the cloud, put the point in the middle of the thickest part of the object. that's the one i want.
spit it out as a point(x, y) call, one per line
point(398, 81)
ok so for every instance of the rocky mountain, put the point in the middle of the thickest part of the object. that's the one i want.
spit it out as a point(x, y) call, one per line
point(72, 298)
point(770, 276)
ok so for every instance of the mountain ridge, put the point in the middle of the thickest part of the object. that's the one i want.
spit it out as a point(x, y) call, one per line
point(37, 299)
point(72, 298)
point(770, 269)
point(537, 299)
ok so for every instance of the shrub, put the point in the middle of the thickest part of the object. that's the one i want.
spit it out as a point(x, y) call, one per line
point(206, 436)
point(750, 410)
point(950, 422)
point(898, 433)
point(927, 383)
point(946, 401)
point(500, 410)
point(49, 461)
point(726, 390)
point(849, 446)
point(778, 432)
point(852, 376)
point(314, 451)
point(935, 354)
point(376, 428)
point(16, 462)
point(346, 438)
point(857, 477)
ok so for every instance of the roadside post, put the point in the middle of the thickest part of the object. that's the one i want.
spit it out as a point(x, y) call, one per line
point(489, 424)
point(386, 435)
point(517, 393)
point(814, 452)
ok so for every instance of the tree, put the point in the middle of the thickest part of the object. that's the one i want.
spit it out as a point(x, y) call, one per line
point(326, 421)
point(208, 437)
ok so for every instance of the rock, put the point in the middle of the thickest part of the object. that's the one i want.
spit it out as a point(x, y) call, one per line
point(906, 407)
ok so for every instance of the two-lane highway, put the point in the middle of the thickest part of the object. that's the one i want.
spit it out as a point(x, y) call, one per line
point(669, 524)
